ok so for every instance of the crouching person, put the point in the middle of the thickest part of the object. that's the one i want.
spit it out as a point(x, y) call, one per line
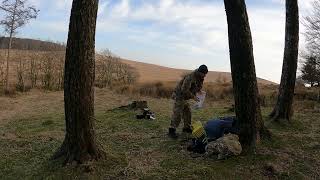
point(186, 89)
point(221, 138)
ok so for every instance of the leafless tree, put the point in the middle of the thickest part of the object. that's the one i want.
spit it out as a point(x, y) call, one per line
point(50, 70)
point(2, 70)
point(312, 34)
point(110, 70)
point(21, 71)
point(17, 15)
point(105, 68)
point(47, 71)
point(312, 25)
point(34, 69)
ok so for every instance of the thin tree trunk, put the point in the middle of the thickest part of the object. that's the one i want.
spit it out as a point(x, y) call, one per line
point(80, 143)
point(10, 43)
point(8, 59)
point(283, 108)
point(33, 73)
point(244, 79)
point(318, 92)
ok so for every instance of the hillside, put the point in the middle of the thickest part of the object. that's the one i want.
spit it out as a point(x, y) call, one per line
point(31, 44)
point(148, 72)
point(151, 73)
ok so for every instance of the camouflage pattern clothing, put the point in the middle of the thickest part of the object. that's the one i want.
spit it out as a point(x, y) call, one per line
point(182, 110)
point(185, 90)
point(226, 146)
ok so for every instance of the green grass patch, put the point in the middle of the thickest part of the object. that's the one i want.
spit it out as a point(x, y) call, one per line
point(140, 149)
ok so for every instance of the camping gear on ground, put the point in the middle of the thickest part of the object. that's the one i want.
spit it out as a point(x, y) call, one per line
point(224, 147)
point(216, 128)
point(146, 114)
point(201, 96)
point(199, 139)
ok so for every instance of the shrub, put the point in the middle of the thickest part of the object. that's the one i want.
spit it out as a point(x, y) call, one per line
point(110, 71)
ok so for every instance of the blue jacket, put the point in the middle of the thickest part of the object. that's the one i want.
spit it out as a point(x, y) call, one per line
point(216, 128)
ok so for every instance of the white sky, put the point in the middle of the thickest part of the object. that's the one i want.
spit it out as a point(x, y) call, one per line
point(174, 33)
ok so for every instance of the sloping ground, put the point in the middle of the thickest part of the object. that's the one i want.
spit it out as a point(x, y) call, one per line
point(138, 149)
point(148, 72)
point(31, 44)
point(152, 73)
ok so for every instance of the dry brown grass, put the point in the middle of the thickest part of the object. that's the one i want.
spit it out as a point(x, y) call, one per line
point(215, 91)
point(49, 65)
point(35, 102)
point(154, 73)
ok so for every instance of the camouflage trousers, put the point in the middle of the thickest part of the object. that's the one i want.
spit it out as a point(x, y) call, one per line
point(181, 110)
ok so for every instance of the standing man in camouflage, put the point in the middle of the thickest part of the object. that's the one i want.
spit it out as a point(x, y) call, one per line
point(186, 89)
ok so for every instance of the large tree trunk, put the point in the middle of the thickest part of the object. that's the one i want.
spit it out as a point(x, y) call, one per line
point(283, 108)
point(80, 144)
point(244, 79)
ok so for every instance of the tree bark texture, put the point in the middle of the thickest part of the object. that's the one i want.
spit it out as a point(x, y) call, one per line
point(80, 144)
point(244, 79)
point(283, 108)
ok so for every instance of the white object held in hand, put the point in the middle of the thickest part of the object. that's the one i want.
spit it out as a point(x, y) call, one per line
point(201, 96)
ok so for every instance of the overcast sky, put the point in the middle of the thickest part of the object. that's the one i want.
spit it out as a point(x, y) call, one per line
point(174, 33)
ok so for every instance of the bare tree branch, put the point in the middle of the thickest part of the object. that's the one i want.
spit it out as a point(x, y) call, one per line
point(312, 25)
point(17, 14)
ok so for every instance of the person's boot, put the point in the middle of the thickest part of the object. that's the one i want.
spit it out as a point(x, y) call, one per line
point(172, 133)
point(187, 130)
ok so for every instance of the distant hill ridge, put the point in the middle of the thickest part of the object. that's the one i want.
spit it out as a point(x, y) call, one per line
point(31, 44)
point(148, 72)
point(151, 72)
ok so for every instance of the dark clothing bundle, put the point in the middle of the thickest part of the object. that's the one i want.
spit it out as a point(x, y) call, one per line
point(216, 128)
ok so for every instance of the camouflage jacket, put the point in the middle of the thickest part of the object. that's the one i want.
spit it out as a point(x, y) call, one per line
point(188, 87)
point(224, 147)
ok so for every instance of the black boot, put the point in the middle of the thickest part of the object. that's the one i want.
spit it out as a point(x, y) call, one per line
point(187, 130)
point(172, 133)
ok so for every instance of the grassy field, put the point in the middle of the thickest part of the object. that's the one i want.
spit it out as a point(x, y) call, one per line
point(32, 128)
